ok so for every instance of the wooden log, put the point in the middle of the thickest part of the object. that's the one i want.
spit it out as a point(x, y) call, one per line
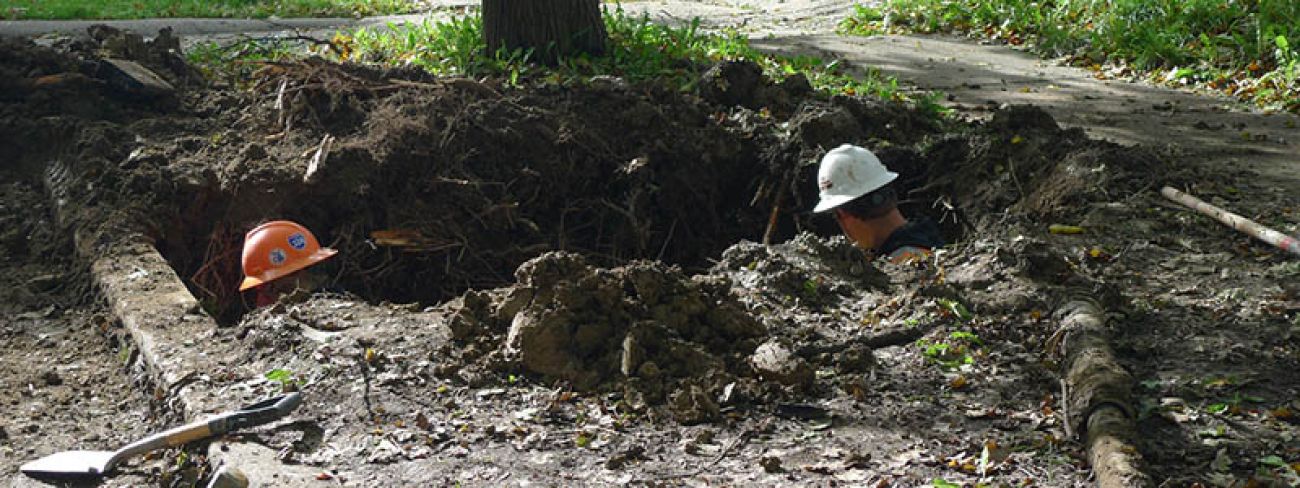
point(1097, 395)
point(1237, 222)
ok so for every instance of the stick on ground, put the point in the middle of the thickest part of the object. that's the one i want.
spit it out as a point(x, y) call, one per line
point(1241, 224)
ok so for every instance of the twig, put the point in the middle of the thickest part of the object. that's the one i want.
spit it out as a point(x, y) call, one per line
point(739, 441)
point(1236, 222)
point(322, 152)
point(776, 209)
point(668, 239)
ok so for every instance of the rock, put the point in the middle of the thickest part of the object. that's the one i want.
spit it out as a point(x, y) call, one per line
point(51, 378)
point(693, 405)
point(229, 477)
point(771, 464)
point(855, 359)
point(133, 79)
point(618, 461)
point(774, 361)
point(977, 273)
point(542, 340)
point(1016, 119)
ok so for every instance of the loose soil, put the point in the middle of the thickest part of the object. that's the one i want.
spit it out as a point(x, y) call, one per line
point(562, 285)
point(70, 378)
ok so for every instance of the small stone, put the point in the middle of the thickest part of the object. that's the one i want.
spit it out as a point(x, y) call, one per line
point(229, 477)
point(51, 378)
point(771, 464)
point(774, 361)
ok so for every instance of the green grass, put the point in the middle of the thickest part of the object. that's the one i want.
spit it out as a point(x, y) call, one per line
point(639, 50)
point(1244, 48)
point(138, 9)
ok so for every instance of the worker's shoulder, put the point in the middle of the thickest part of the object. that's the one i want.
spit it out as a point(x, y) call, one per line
point(908, 254)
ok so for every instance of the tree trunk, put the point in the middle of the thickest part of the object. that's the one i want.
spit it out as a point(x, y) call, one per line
point(551, 28)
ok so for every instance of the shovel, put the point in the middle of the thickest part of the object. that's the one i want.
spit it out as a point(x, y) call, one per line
point(76, 464)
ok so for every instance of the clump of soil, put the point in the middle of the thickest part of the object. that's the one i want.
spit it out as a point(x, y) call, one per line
point(644, 329)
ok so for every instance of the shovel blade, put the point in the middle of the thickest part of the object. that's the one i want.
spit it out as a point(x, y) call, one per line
point(69, 464)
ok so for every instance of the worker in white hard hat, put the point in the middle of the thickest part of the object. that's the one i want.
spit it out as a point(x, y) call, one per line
point(855, 185)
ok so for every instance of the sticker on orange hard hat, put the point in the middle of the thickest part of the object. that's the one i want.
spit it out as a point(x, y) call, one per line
point(298, 241)
point(277, 256)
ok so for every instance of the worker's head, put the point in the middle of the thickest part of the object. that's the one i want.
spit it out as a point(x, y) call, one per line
point(854, 184)
point(278, 249)
point(847, 173)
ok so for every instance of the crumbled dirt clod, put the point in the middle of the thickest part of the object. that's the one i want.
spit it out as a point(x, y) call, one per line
point(645, 320)
point(734, 83)
point(774, 360)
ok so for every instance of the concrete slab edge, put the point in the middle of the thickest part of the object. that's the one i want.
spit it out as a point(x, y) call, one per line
point(171, 331)
point(172, 334)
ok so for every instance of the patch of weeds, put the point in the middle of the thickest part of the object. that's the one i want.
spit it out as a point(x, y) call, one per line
point(812, 288)
point(1248, 49)
point(285, 378)
point(954, 352)
point(955, 310)
point(1275, 466)
point(638, 50)
point(1232, 405)
point(235, 62)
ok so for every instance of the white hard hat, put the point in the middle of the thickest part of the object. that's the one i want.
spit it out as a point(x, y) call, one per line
point(848, 172)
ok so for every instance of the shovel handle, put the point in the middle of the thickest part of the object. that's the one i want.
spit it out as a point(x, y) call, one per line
point(254, 415)
point(251, 416)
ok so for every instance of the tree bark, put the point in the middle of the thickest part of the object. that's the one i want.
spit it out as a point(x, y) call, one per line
point(1097, 396)
point(550, 28)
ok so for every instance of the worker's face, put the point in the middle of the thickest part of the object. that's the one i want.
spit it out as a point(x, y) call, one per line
point(284, 284)
point(854, 229)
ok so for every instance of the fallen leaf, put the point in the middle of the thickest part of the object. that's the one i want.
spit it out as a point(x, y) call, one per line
point(958, 383)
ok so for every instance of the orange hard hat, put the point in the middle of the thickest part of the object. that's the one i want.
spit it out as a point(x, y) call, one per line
point(277, 249)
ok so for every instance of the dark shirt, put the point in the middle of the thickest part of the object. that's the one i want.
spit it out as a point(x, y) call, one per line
point(917, 233)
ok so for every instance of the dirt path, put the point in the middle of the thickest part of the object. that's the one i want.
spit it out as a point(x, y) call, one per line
point(1210, 129)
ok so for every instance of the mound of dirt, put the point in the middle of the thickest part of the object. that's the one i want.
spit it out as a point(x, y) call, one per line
point(645, 329)
point(1023, 164)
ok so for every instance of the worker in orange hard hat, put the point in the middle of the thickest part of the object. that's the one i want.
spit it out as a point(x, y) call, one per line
point(274, 255)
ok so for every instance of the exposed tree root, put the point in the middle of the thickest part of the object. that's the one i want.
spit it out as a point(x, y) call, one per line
point(1097, 395)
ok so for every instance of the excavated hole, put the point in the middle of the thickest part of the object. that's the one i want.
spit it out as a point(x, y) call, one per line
point(446, 186)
